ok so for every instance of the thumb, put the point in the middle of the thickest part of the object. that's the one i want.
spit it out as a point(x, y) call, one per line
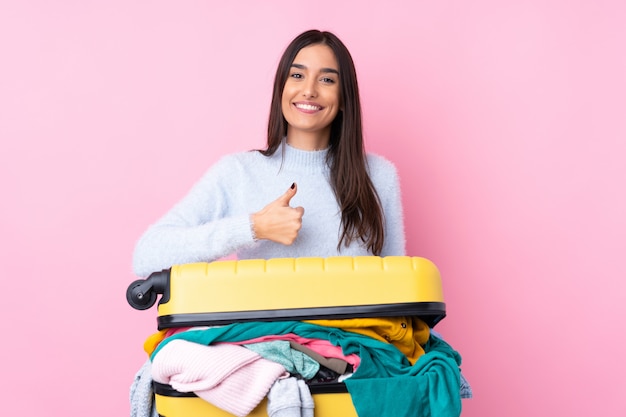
point(286, 198)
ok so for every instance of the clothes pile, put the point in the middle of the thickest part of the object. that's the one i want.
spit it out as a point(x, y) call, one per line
point(391, 366)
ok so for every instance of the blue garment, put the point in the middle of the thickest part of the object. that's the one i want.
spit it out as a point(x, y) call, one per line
point(385, 383)
point(213, 219)
point(280, 351)
point(466, 389)
point(429, 389)
point(141, 393)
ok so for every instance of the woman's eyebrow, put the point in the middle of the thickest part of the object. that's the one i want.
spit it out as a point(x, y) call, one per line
point(325, 70)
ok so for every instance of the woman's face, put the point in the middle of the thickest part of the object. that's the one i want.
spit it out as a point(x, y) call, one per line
point(311, 96)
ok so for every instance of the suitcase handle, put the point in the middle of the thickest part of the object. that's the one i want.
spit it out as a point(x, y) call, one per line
point(142, 293)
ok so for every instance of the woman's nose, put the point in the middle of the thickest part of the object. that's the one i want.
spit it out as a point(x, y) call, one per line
point(309, 88)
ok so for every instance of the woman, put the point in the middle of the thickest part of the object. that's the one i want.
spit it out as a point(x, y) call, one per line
point(338, 200)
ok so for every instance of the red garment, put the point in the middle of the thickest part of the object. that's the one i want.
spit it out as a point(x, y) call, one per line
point(320, 346)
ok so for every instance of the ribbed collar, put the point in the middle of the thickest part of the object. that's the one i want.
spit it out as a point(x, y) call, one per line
point(300, 160)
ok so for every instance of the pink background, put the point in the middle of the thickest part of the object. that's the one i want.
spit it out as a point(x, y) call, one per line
point(506, 120)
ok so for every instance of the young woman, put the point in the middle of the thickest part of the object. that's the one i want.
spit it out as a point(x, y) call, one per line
point(312, 192)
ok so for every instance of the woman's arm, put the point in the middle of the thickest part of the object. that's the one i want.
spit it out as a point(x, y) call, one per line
point(219, 216)
point(385, 178)
point(205, 225)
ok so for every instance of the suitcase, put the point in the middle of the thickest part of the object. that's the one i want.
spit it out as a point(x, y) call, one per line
point(223, 292)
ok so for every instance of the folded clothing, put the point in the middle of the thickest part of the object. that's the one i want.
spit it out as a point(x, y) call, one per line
point(384, 374)
point(290, 397)
point(408, 334)
point(230, 377)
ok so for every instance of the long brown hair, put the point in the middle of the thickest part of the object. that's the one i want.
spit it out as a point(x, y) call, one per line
point(361, 212)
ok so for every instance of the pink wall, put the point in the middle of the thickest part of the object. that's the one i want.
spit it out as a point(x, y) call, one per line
point(507, 121)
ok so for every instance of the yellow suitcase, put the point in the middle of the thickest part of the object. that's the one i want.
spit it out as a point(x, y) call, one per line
point(171, 403)
point(222, 292)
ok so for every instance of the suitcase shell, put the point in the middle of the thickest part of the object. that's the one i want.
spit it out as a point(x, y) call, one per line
point(300, 288)
point(225, 292)
point(171, 403)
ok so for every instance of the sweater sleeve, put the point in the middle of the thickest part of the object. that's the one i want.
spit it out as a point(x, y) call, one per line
point(202, 227)
point(385, 178)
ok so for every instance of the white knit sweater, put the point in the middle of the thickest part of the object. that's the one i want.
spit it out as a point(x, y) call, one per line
point(213, 220)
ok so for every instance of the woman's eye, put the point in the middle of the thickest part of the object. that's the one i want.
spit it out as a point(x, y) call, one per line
point(296, 75)
point(328, 80)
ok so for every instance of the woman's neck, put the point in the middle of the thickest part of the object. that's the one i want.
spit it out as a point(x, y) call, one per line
point(308, 141)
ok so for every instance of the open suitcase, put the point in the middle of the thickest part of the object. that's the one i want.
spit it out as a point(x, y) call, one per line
point(223, 292)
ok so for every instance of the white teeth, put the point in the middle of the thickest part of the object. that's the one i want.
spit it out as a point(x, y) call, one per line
point(307, 106)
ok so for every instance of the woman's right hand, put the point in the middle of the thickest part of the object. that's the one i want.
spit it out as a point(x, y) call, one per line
point(278, 221)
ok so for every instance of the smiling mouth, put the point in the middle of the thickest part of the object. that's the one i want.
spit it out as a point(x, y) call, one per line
point(307, 107)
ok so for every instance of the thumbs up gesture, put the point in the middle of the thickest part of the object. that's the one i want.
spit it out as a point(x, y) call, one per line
point(278, 221)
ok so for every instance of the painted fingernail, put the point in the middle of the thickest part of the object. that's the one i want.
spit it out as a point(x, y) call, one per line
point(293, 185)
